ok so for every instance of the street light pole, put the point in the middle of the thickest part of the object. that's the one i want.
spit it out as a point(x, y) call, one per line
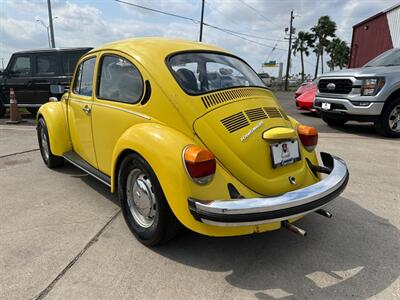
point(289, 51)
point(53, 43)
point(201, 21)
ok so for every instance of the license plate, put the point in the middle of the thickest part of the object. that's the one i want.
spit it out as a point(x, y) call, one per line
point(325, 106)
point(285, 153)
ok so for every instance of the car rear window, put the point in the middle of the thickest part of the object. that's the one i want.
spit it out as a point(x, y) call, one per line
point(202, 72)
point(69, 61)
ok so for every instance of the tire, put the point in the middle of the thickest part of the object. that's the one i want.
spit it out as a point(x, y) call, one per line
point(332, 121)
point(33, 110)
point(52, 161)
point(2, 110)
point(388, 123)
point(152, 221)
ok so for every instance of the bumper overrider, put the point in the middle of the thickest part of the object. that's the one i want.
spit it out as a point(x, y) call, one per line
point(252, 211)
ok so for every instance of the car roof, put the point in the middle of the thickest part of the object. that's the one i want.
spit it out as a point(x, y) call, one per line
point(161, 47)
point(46, 50)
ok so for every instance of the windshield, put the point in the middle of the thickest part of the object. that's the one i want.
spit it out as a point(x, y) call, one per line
point(388, 58)
point(202, 72)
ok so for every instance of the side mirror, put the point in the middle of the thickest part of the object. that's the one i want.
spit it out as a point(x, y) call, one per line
point(56, 89)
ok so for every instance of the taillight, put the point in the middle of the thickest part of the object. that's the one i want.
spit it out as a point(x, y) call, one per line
point(199, 163)
point(308, 136)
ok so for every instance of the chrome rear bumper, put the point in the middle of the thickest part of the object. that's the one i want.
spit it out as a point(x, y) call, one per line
point(242, 212)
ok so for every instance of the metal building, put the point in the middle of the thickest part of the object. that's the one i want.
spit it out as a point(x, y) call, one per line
point(375, 35)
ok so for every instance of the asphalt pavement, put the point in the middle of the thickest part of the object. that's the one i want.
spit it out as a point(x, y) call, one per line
point(62, 235)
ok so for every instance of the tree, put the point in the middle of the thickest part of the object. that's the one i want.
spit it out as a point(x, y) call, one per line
point(301, 44)
point(339, 53)
point(323, 30)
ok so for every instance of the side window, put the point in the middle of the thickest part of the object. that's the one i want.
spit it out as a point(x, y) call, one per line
point(83, 84)
point(21, 67)
point(120, 80)
point(46, 64)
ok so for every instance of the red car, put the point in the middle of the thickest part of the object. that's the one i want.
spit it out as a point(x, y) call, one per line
point(305, 86)
point(305, 101)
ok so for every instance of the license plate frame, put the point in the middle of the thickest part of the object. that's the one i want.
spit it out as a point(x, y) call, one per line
point(278, 156)
point(326, 106)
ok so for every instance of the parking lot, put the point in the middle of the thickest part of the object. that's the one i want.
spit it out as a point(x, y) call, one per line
point(62, 235)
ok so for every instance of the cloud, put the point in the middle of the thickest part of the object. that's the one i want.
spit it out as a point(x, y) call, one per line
point(92, 23)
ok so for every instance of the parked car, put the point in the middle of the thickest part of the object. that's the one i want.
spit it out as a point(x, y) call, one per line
point(305, 86)
point(30, 74)
point(141, 118)
point(367, 94)
point(305, 101)
point(266, 78)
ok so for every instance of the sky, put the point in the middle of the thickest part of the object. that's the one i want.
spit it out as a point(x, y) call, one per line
point(95, 22)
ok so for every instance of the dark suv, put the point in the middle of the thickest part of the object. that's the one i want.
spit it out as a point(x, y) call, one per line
point(30, 74)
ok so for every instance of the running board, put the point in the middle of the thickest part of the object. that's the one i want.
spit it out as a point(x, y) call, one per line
point(77, 161)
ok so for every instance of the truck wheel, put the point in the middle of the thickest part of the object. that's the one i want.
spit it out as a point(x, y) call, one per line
point(332, 121)
point(2, 110)
point(389, 121)
point(33, 110)
point(51, 160)
point(145, 209)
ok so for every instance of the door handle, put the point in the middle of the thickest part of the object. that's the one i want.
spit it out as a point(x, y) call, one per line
point(87, 109)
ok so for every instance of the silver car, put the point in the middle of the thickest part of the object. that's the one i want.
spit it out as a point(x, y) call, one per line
point(367, 94)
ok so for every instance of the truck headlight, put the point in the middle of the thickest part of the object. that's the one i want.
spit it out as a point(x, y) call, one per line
point(372, 86)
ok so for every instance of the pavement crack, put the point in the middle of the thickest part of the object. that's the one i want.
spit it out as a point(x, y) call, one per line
point(18, 153)
point(93, 240)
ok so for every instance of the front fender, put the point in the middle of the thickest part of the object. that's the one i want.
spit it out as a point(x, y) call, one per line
point(55, 115)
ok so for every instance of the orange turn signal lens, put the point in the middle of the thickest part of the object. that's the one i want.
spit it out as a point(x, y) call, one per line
point(308, 136)
point(200, 163)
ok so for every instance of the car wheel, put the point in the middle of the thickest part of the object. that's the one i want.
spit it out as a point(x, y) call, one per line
point(33, 110)
point(145, 209)
point(389, 122)
point(333, 121)
point(51, 160)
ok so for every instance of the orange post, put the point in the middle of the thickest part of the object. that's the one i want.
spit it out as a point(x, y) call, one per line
point(15, 116)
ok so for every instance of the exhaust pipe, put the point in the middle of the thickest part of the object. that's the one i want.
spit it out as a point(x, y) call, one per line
point(324, 213)
point(293, 228)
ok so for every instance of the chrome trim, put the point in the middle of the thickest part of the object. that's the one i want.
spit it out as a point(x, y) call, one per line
point(310, 198)
point(87, 171)
point(25, 105)
point(124, 110)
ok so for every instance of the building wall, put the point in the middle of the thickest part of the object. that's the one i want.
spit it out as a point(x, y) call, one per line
point(370, 39)
point(393, 18)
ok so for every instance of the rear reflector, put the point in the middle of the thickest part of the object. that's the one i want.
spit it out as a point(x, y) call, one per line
point(308, 136)
point(200, 163)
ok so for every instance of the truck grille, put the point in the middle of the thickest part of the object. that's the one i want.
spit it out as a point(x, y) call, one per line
point(340, 86)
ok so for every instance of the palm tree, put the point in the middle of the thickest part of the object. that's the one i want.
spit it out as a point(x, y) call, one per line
point(301, 44)
point(324, 29)
point(339, 52)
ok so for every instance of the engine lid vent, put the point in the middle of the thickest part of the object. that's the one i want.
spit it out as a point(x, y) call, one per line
point(235, 122)
point(256, 114)
point(273, 112)
point(230, 95)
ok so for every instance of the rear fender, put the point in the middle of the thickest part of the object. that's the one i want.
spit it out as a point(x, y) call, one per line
point(54, 113)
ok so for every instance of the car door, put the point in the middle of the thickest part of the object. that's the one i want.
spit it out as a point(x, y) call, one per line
point(19, 77)
point(80, 103)
point(120, 88)
point(47, 68)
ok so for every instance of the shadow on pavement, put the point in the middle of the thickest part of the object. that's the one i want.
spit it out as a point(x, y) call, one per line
point(355, 254)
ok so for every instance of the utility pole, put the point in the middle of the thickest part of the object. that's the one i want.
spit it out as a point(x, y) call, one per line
point(289, 51)
point(201, 20)
point(53, 43)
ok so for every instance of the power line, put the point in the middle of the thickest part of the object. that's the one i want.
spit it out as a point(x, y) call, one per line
point(258, 13)
point(225, 30)
point(159, 11)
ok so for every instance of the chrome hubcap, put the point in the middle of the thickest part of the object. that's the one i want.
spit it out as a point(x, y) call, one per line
point(45, 144)
point(394, 119)
point(141, 198)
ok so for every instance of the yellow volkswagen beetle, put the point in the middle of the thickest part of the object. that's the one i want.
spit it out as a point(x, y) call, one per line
point(186, 133)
